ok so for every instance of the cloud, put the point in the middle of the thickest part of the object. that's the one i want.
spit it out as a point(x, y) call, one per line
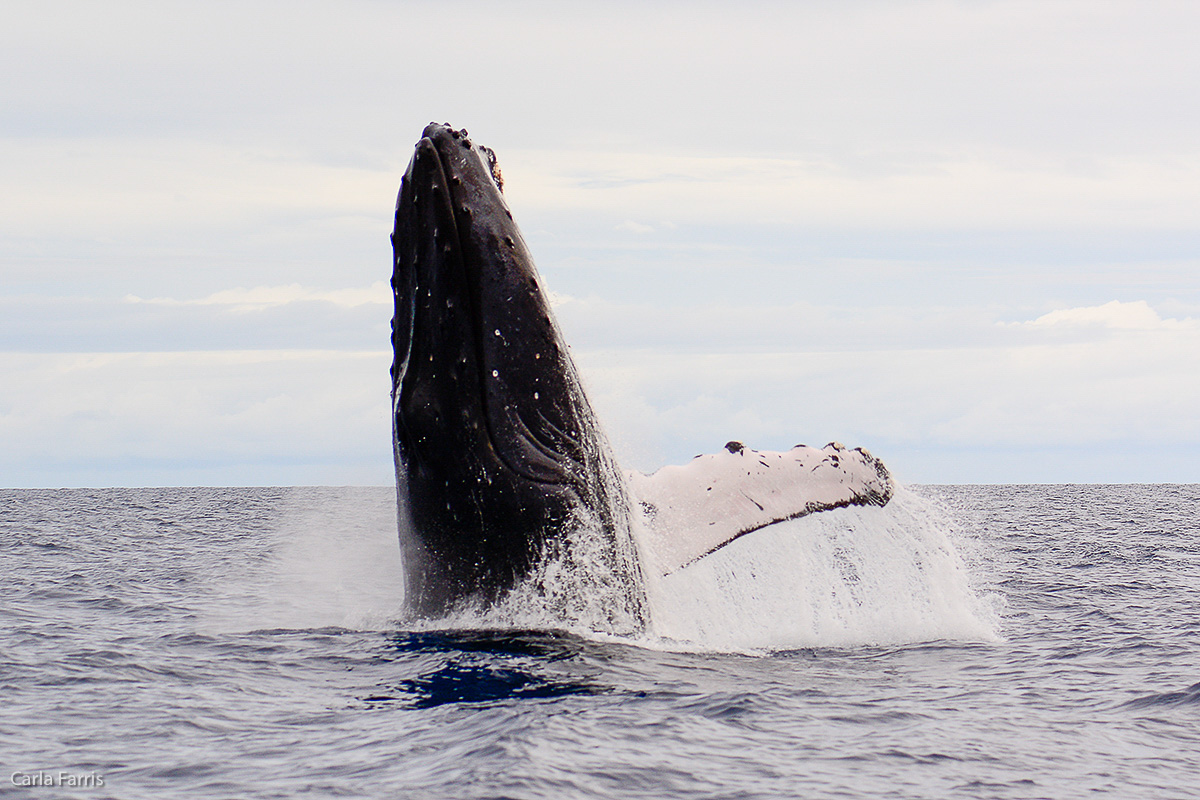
point(904, 384)
point(914, 114)
point(986, 188)
point(1130, 395)
point(1132, 316)
point(269, 417)
point(287, 416)
point(846, 202)
point(262, 318)
point(264, 297)
point(759, 76)
point(134, 185)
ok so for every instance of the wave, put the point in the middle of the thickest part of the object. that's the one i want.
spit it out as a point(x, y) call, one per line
point(1188, 697)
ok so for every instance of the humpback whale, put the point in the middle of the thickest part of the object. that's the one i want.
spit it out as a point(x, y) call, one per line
point(501, 465)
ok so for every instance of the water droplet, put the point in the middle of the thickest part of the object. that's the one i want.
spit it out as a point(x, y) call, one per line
point(497, 331)
point(495, 373)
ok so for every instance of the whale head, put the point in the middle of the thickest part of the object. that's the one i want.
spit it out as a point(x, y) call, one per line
point(497, 449)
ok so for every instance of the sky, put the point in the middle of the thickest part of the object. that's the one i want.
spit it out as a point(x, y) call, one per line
point(963, 235)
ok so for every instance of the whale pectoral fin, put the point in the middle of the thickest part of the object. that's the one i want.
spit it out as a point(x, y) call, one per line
point(698, 508)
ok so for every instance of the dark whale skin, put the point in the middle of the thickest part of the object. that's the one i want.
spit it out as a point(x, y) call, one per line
point(499, 458)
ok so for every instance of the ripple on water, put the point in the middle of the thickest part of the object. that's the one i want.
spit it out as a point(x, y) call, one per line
point(216, 642)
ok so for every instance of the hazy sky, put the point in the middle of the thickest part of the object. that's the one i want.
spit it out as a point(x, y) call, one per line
point(965, 235)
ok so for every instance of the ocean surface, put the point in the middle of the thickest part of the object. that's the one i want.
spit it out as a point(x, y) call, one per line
point(965, 641)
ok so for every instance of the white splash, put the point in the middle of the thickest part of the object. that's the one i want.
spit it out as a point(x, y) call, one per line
point(332, 561)
point(846, 577)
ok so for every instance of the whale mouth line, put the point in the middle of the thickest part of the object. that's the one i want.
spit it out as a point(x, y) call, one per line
point(459, 277)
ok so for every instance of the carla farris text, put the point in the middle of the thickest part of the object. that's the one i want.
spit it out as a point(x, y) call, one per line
point(87, 780)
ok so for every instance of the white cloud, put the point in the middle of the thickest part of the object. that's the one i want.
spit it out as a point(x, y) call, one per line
point(983, 189)
point(171, 153)
point(263, 297)
point(948, 386)
point(1130, 394)
point(914, 113)
point(264, 318)
point(1136, 315)
point(106, 187)
point(170, 418)
point(769, 326)
point(278, 416)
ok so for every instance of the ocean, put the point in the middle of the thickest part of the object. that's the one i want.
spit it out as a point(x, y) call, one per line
point(965, 641)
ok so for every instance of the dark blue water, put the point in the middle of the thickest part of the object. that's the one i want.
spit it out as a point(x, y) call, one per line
point(244, 643)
